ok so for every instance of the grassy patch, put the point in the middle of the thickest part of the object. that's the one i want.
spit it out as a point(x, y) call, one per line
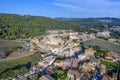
point(7, 44)
point(104, 45)
point(12, 63)
point(110, 64)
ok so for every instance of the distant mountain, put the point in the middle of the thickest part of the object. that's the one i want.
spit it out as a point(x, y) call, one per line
point(93, 21)
point(108, 19)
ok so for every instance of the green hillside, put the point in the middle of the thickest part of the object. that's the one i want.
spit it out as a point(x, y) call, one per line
point(14, 26)
point(97, 23)
point(17, 26)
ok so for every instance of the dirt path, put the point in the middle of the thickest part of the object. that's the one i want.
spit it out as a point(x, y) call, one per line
point(18, 56)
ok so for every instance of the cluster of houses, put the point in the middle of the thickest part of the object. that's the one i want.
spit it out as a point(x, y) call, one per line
point(105, 33)
point(79, 64)
point(76, 67)
point(62, 42)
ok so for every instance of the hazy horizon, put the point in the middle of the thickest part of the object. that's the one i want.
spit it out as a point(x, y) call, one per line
point(57, 17)
point(62, 8)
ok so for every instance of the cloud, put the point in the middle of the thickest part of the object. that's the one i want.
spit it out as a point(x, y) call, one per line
point(114, 0)
point(69, 6)
point(101, 7)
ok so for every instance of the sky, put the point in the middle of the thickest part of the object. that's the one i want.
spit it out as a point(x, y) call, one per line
point(62, 8)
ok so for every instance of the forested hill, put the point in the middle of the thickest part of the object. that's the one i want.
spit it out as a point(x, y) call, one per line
point(93, 22)
point(14, 26)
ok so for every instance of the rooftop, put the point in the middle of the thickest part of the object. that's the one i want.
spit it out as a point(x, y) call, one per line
point(46, 77)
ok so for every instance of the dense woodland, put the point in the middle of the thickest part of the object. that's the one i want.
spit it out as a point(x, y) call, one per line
point(93, 22)
point(14, 26)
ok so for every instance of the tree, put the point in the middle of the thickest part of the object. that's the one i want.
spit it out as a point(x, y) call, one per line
point(59, 74)
point(13, 49)
point(14, 26)
point(16, 72)
point(23, 70)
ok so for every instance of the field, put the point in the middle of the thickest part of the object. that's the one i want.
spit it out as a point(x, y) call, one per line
point(6, 64)
point(11, 63)
point(34, 58)
point(110, 64)
point(103, 45)
point(6, 44)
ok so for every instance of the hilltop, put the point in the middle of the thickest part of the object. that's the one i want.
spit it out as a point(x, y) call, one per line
point(93, 22)
point(14, 26)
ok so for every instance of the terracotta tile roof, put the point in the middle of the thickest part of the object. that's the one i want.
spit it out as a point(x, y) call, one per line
point(58, 61)
point(74, 72)
point(46, 77)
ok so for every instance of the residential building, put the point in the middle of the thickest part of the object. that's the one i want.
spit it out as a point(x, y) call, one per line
point(46, 61)
point(75, 63)
point(106, 78)
point(67, 63)
point(46, 77)
point(35, 40)
point(114, 76)
point(58, 63)
point(73, 75)
point(89, 51)
point(105, 33)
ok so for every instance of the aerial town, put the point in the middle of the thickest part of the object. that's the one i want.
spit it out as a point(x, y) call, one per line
point(59, 39)
point(64, 57)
